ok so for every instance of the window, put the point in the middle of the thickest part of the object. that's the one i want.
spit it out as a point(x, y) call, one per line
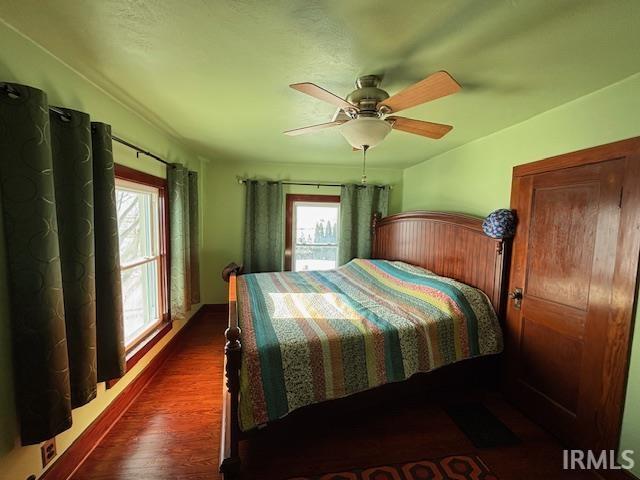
point(140, 202)
point(312, 230)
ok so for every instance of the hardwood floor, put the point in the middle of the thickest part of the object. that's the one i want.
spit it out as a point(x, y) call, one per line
point(172, 431)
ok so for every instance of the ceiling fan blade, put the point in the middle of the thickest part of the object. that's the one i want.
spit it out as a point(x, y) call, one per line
point(322, 94)
point(313, 128)
point(419, 127)
point(437, 85)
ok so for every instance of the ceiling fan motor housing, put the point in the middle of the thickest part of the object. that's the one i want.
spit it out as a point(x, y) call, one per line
point(368, 94)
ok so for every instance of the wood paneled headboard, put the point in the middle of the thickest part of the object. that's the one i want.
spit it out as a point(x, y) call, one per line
point(449, 244)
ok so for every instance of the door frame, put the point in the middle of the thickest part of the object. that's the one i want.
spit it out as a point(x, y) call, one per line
point(625, 280)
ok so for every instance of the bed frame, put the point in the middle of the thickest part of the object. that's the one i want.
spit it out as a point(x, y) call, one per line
point(449, 244)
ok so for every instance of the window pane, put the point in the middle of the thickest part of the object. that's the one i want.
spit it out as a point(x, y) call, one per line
point(315, 258)
point(316, 234)
point(138, 231)
point(137, 224)
point(140, 299)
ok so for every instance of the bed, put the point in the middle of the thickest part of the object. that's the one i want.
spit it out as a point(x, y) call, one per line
point(428, 298)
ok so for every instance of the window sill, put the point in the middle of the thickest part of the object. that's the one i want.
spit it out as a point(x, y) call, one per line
point(140, 349)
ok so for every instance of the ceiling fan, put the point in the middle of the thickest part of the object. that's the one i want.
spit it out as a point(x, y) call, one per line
point(367, 115)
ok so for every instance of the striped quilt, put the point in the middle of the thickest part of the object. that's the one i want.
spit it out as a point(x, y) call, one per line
point(313, 336)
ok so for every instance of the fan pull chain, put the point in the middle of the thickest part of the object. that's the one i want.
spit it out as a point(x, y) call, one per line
point(364, 164)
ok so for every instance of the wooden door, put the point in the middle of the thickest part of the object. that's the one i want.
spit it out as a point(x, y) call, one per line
point(575, 260)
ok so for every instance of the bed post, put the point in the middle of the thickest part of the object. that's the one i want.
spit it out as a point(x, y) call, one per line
point(229, 455)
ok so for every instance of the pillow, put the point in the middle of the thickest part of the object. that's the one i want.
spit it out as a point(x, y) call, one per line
point(500, 224)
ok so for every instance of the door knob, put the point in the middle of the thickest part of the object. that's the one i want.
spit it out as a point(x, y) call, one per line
point(516, 296)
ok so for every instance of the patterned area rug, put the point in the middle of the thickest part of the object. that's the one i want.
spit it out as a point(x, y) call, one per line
point(457, 467)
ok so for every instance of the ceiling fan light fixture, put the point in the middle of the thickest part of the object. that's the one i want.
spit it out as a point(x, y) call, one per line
point(362, 131)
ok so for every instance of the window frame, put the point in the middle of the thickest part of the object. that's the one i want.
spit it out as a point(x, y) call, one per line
point(142, 345)
point(291, 200)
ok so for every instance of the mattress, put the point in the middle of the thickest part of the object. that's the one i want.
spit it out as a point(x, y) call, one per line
point(313, 336)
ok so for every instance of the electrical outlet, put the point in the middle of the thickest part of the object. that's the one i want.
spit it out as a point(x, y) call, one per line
point(48, 451)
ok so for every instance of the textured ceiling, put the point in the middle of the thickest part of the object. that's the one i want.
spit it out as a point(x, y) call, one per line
point(215, 74)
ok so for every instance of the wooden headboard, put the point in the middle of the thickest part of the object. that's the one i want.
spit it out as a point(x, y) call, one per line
point(449, 244)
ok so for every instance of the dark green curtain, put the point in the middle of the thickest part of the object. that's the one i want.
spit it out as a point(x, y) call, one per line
point(263, 229)
point(183, 224)
point(49, 204)
point(358, 204)
point(194, 237)
point(109, 314)
point(73, 174)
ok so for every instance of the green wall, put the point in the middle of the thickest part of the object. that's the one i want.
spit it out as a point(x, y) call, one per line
point(476, 178)
point(630, 438)
point(223, 208)
point(22, 61)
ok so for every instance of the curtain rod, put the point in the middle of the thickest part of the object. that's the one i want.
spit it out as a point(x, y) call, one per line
point(312, 184)
point(139, 150)
point(13, 93)
point(119, 140)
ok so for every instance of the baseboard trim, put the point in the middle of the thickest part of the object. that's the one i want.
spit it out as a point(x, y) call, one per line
point(74, 456)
